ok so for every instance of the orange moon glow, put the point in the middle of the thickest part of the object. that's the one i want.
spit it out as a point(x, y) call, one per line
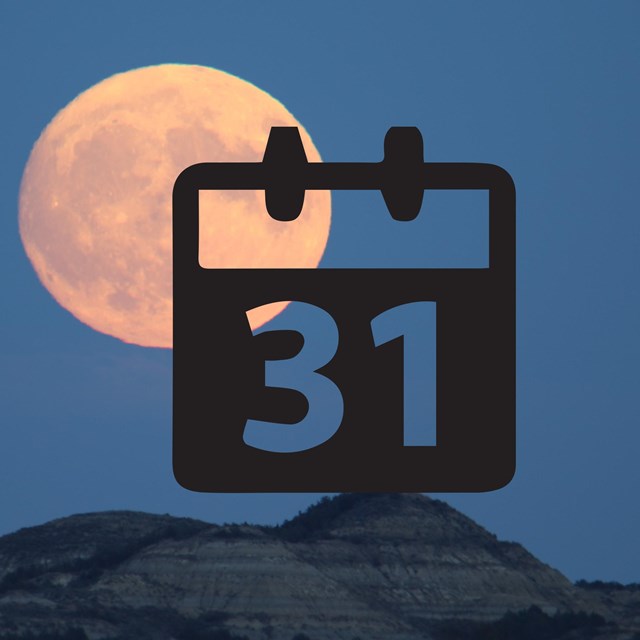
point(95, 200)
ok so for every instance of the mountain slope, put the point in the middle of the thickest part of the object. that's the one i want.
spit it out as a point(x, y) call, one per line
point(392, 566)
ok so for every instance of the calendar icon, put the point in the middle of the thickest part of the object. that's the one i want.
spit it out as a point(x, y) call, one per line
point(227, 400)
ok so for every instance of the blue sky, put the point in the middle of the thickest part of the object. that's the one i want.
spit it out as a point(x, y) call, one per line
point(547, 90)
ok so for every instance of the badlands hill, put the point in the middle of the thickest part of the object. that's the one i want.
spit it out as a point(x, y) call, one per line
point(368, 566)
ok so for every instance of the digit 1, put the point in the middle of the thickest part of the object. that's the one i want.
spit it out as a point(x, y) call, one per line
point(415, 323)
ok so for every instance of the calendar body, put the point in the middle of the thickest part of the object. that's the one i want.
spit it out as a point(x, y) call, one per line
point(219, 365)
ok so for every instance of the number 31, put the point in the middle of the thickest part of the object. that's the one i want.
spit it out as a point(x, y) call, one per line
point(414, 322)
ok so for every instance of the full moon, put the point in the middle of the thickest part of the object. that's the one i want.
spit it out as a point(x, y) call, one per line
point(95, 199)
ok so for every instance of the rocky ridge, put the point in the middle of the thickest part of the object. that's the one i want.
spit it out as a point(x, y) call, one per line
point(387, 566)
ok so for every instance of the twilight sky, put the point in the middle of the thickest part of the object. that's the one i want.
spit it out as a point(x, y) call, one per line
point(548, 90)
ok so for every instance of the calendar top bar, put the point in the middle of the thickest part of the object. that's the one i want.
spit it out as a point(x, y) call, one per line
point(402, 177)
